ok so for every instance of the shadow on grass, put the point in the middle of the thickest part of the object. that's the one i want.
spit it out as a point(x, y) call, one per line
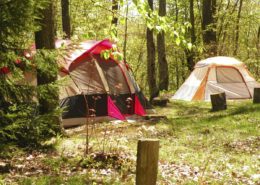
point(188, 109)
point(199, 113)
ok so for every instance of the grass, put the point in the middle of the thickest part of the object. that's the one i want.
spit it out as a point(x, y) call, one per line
point(197, 146)
point(224, 142)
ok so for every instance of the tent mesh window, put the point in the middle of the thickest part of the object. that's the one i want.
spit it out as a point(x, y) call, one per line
point(228, 75)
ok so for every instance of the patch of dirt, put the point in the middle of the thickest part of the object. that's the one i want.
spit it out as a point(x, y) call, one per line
point(250, 145)
point(39, 164)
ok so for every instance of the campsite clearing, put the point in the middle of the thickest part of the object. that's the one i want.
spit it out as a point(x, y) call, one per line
point(196, 147)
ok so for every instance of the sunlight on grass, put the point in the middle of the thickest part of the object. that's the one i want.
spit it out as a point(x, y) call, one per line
point(197, 146)
point(224, 144)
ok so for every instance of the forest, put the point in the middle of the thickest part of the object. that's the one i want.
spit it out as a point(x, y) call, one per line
point(129, 92)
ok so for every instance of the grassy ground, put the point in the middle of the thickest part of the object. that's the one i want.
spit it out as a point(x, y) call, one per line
point(197, 146)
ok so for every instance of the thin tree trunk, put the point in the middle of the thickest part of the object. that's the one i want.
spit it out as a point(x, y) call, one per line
point(115, 8)
point(163, 65)
point(258, 40)
point(223, 49)
point(199, 9)
point(208, 26)
point(177, 74)
point(222, 22)
point(176, 10)
point(65, 18)
point(125, 37)
point(237, 27)
point(258, 50)
point(151, 68)
point(192, 21)
point(176, 58)
point(190, 53)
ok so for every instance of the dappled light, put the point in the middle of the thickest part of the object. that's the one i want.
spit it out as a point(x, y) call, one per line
point(122, 92)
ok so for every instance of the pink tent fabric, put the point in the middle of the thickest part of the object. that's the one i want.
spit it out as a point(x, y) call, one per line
point(139, 110)
point(86, 49)
point(113, 111)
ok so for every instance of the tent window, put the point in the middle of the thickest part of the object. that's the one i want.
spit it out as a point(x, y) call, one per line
point(114, 76)
point(228, 75)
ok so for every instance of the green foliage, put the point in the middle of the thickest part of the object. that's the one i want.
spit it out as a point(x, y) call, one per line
point(16, 21)
point(176, 30)
point(112, 53)
point(22, 124)
point(20, 120)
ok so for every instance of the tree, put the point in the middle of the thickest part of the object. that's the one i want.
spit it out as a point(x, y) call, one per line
point(237, 27)
point(151, 68)
point(125, 35)
point(45, 39)
point(163, 65)
point(190, 53)
point(115, 7)
point(209, 26)
point(21, 123)
point(65, 18)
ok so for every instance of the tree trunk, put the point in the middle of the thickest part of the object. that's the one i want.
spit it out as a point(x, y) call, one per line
point(163, 65)
point(256, 97)
point(190, 53)
point(44, 39)
point(209, 26)
point(237, 27)
point(115, 8)
point(258, 37)
point(125, 36)
point(151, 68)
point(66, 18)
point(114, 22)
point(218, 101)
point(258, 49)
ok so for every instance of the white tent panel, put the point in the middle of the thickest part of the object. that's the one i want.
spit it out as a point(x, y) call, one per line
point(251, 85)
point(246, 75)
point(190, 86)
point(232, 90)
point(219, 61)
point(212, 75)
point(228, 75)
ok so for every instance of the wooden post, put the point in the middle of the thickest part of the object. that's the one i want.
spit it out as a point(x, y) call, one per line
point(162, 102)
point(218, 101)
point(147, 161)
point(256, 98)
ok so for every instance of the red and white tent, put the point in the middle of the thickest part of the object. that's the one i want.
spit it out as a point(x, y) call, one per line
point(92, 85)
point(96, 86)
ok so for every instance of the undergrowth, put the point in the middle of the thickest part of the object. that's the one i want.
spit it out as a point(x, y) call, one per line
point(197, 146)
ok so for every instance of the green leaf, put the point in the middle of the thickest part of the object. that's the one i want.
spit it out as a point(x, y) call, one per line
point(189, 45)
point(178, 41)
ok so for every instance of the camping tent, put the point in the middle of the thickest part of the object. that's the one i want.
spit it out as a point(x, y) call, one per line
point(96, 86)
point(215, 75)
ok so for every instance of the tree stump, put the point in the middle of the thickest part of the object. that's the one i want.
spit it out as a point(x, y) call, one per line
point(159, 101)
point(256, 97)
point(218, 101)
point(147, 161)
